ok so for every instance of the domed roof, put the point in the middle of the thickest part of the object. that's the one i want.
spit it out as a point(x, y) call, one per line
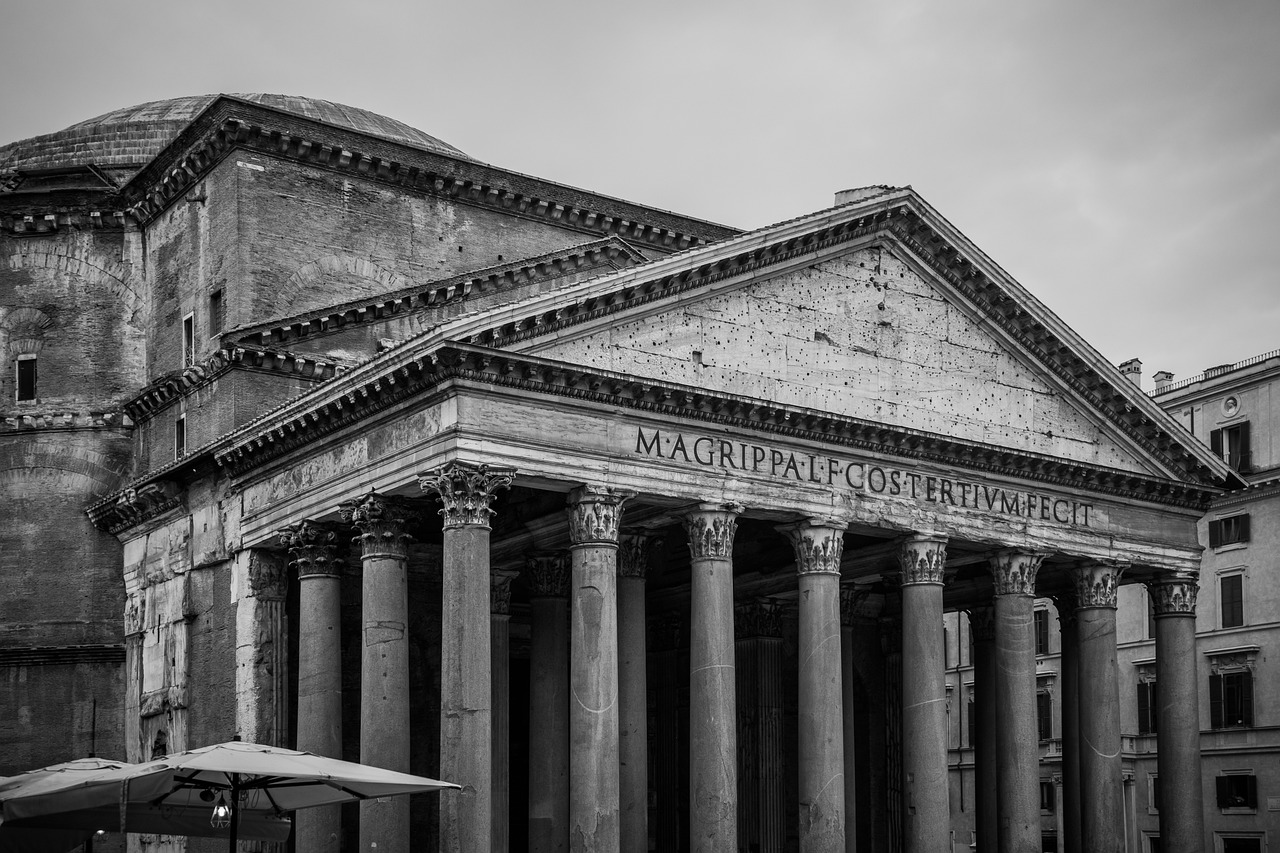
point(123, 141)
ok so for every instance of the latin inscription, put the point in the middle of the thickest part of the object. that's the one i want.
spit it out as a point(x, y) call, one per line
point(839, 473)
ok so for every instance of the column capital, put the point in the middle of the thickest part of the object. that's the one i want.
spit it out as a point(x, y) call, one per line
point(634, 550)
point(313, 548)
point(759, 618)
point(711, 528)
point(1173, 595)
point(982, 622)
point(465, 491)
point(1064, 601)
point(1014, 571)
point(856, 604)
point(818, 545)
point(500, 591)
point(381, 521)
point(923, 559)
point(595, 513)
point(548, 574)
point(1096, 584)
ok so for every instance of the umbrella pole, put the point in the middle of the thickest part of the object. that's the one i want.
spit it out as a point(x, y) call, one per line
point(235, 810)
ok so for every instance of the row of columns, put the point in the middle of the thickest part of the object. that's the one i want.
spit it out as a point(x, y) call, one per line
point(588, 762)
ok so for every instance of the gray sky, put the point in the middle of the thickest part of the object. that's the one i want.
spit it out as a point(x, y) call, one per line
point(1121, 160)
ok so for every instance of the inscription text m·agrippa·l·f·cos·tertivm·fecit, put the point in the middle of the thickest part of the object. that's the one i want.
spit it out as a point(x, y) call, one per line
point(839, 473)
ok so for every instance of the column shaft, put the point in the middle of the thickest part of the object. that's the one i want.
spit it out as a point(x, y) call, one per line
point(1177, 717)
point(633, 695)
point(850, 726)
point(1101, 785)
point(758, 664)
point(924, 704)
point(1070, 723)
point(549, 704)
point(500, 667)
point(713, 750)
point(986, 721)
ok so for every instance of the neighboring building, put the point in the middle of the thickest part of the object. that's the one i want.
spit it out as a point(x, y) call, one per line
point(677, 462)
point(1235, 410)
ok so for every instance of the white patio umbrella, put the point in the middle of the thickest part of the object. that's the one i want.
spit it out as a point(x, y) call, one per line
point(247, 778)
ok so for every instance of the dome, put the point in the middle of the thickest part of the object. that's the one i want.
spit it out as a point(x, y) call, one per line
point(123, 141)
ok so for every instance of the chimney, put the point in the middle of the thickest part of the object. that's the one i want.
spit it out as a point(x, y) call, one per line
point(1133, 369)
point(1162, 378)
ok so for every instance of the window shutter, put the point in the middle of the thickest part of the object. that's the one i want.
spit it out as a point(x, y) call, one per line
point(1215, 442)
point(1215, 534)
point(1243, 528)
point(1144, 710)
point(1224, 792)
point(1153, 703)
point(1246, 698)
point(1215, 705)
point(1246, 456)
point(1251, 791)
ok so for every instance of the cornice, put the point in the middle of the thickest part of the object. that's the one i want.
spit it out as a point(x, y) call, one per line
point(167, 389)
point(134, 505)
point(48, 222)
point(62, 655)
point(610, 251)
point(60, 420)
point(230, 123)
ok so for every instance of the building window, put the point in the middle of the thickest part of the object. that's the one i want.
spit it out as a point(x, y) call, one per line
point(1146, 707)
point(973, 727)
point(217, 320)
point(1241, 844)
point(1153, 793)
point(25, 378)
point(1048, 797)
point(1151, 617)
point(1229, 531)
point(1042, 631)
point(188, 340)
point(1232, 445)
point(1044, 715)
point(1231, 700)
point(1238, 791)
point(180, 437)
point(1231, 599)
point(1153, 844)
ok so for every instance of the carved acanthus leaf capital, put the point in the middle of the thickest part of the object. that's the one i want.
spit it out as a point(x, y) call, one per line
point(382, 522)
point(711, 528)
point(818, 546)
point(500, 590)
point(1097, 584)
point(1014, 572)
point(1173, 596)
point(548, 575)
point(760, 618)
point(634, 551)
point(313, 548)
point(466, 491)
point(857, 604)
point(982, 622)
point(595, 513)
point(923, 559)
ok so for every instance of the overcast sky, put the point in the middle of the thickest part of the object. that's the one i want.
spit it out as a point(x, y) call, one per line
point(1121, 160)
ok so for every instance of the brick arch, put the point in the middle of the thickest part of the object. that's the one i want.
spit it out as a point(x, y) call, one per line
point(110, 275)
point(91, 473)
point(314, 275)
point(22, 330)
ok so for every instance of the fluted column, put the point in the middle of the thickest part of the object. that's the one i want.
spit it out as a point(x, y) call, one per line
point(982, 624)
point(466, 493)
point(818, 549)
point(1101, 787)
point(758, 653)
point(547, 576)
point(594, 514)
point(633, 694)
point(924, 702)
point(713, 768)
point(1177, 718)
point(384, 660)
point(500, 669)
point(1017, 754)
point(1065, 603)
point(313, 551)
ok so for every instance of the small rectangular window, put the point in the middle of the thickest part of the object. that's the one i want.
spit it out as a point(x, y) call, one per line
point(1044, 715)
point(1146, 707)
point(1155, 793)
point(180, 437)
point(1231, 700)
point(1231, 595)
point(973, 728)
point(25, 377)
point(1231, 444)
point(1042, 631)
point(1237, 791)
point(1048, 797)
point(216, 318)
point(188, 340)
point(1229, 531)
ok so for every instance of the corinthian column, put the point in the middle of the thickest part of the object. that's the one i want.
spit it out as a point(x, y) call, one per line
point(384, 660)
point(1101, 786)
point(466, 688)
point(713, 750)
point(594, 513)
point(924, 703)
point(548, 578)
point(633, 746)
point(1017, 753)
point(500, 666)
point(313, 550)
point(818, 547)
point(1177, 720)
point(762, 805)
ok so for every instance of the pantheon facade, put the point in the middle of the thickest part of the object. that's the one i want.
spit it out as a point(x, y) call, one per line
point(640, 528)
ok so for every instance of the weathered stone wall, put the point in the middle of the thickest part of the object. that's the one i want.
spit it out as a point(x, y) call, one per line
point(48, 712)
